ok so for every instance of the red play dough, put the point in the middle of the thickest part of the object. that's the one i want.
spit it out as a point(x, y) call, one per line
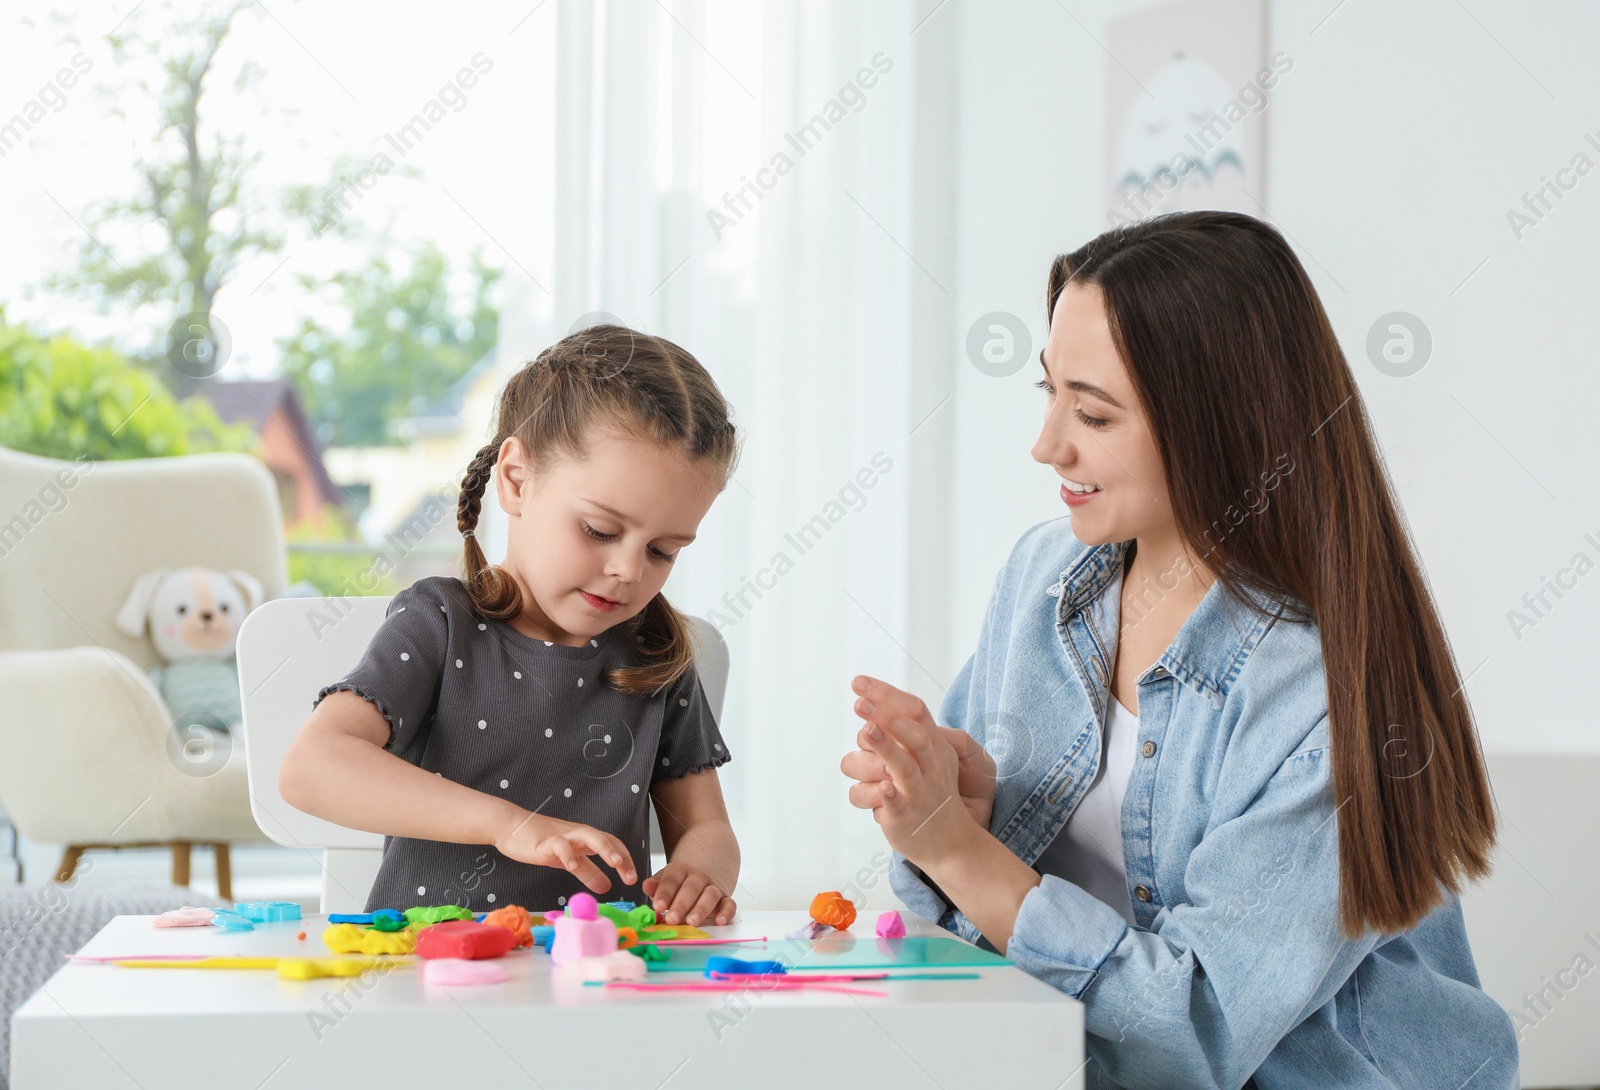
point(464, 939)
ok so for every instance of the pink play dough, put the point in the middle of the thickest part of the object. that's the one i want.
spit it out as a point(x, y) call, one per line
point(617, 965)
point(184, 917)
point(452, 971)
point(891, 926)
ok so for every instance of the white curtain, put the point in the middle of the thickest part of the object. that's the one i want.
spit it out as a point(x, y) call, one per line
point(824, 312)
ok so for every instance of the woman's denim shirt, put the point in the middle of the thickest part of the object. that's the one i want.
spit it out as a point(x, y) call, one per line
point(1237, 966)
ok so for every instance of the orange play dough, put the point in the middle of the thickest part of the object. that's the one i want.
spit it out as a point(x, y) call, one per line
point(834, 909)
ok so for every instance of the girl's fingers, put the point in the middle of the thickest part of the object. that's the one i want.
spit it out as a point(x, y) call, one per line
point(703, 908)
point(725, 911)
point(649, 886)
point(610, 849)
point(579, 865)
point(688, 894)
point(667, 883)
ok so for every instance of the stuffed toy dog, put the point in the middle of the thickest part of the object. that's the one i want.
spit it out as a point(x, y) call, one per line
point(193, 616)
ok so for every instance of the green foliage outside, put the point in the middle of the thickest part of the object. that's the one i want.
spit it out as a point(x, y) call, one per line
point(61, 399)
point(409, 338)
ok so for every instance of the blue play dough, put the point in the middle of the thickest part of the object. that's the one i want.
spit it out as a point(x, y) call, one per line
point(543, 934)
point(363, 919)
point(268, 911)
point(735, 965)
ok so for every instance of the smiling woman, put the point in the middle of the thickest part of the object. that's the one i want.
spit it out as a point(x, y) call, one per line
point(1223, 788)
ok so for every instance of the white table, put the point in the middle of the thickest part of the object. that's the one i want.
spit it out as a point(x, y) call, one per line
point(110, 1027)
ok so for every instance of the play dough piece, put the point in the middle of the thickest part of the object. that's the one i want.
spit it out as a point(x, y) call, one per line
point(513, 918)
point(388, 919)
point(582, 932)
point(637, 917)
point(362, 919)
point(617, 965)
point(543, 934)
point(677, 931)
point(347, 938)
point(464, 939)
point(462, 971)
point(648, 951)
point(891, 926)
point(431, 914)
point(184, 917)
point(268, 911)
point(833, 909)
point(316, 968)
point(745, 968)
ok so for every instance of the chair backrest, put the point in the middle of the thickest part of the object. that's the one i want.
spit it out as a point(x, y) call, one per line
point(290, 648)
point(74, 536)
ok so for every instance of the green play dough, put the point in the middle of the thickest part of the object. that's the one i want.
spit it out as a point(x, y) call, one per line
point(641, 917)
point(650, 952)
point(432, 914)
point(383, 921)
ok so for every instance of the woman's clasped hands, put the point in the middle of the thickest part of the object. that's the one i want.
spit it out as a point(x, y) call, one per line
point(931, 788)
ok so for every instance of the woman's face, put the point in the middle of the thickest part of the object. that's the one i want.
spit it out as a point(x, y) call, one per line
point(1094, 432)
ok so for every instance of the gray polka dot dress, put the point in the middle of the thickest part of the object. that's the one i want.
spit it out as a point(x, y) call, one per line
point(475, 701)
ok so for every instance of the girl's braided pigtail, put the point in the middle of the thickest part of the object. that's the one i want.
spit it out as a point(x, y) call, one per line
point(494, 593)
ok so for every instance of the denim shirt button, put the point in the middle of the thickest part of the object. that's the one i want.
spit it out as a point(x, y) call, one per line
point(1149, 749)
point(1142, 893)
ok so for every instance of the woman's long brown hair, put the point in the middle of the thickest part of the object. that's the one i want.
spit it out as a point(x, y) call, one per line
point(1237, 368)
point(605, 375)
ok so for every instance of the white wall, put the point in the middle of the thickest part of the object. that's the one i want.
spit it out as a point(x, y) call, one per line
point(1397, 144)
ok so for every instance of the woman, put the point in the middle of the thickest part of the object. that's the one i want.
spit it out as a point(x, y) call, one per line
point(1215, 772)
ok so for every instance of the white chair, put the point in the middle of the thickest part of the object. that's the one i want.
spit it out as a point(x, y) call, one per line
point(88, 758)
point(288, 650)
point(1534, 918)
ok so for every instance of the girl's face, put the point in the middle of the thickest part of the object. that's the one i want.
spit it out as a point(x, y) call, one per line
point(1094, 432)
point(592, 540)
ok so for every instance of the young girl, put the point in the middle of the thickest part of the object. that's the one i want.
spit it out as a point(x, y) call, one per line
point(505, 730)
point(1215, 773)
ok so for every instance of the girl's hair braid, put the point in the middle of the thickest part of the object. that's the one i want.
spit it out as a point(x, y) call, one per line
point(492, 589)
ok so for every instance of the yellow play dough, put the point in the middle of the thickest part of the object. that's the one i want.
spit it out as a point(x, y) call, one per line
point(347, 938)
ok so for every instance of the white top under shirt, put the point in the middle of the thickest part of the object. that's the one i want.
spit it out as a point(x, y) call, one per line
point(1088, 850)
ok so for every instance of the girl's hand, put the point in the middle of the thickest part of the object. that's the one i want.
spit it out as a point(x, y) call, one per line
point(924, 775)
point(975, 775)
point(682, 894)
point(551, 842)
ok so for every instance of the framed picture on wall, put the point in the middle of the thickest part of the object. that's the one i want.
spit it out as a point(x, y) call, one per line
point(1188, 84)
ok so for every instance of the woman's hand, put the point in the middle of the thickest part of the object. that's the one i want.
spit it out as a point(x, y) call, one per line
point(681, 893)
point(551, 842)
point(923, 776)
point(975, 774)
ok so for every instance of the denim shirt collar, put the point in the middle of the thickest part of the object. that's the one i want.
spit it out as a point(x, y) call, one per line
point(1210, 648)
